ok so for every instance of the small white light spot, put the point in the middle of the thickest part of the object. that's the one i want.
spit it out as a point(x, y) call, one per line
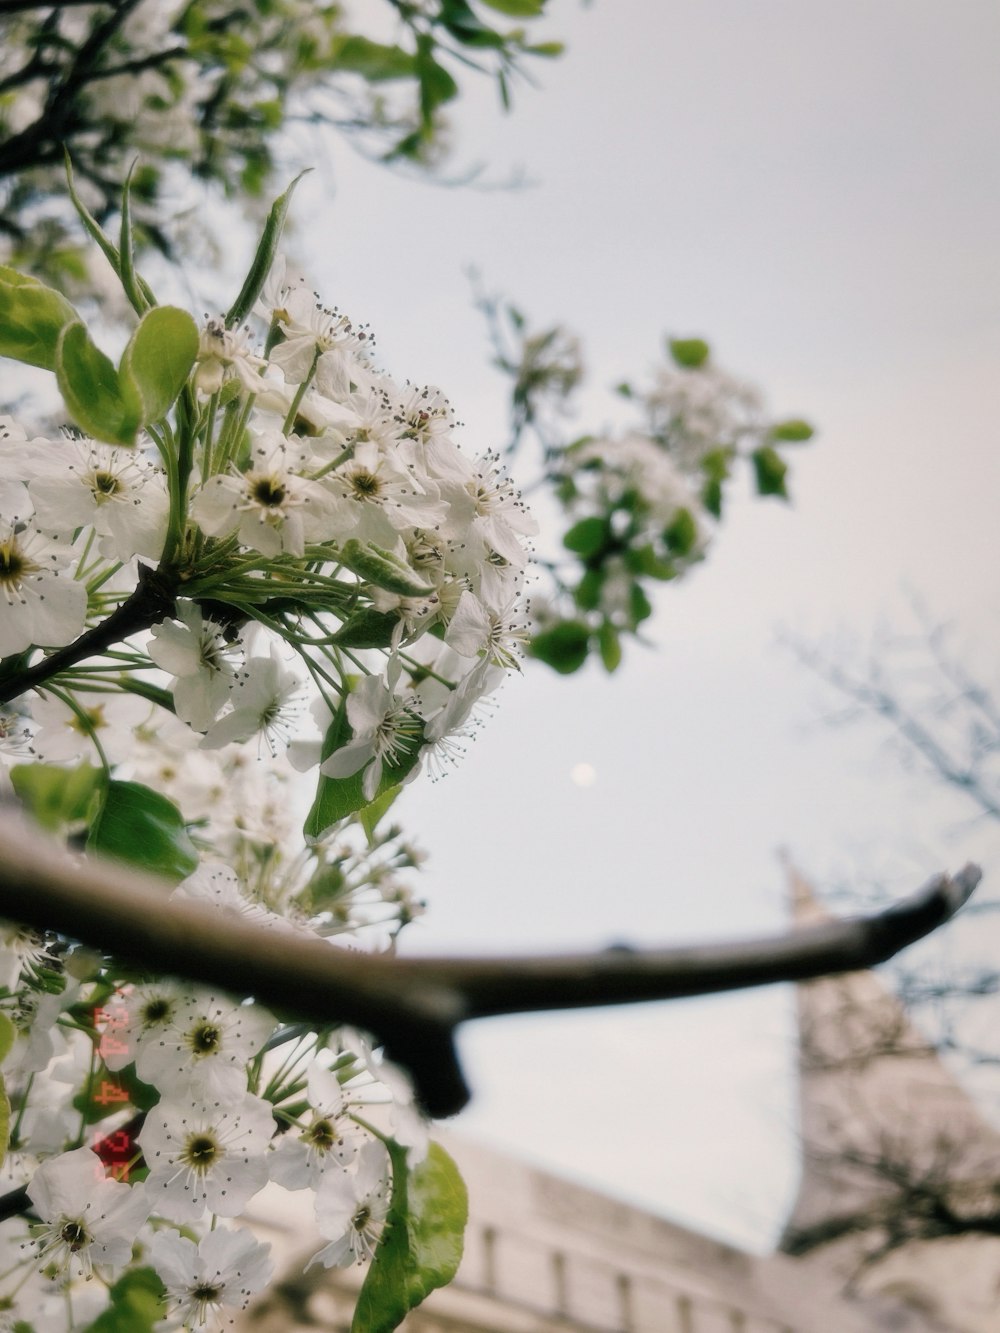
point(583, 774)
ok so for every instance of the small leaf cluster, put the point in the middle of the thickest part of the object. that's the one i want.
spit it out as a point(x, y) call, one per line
point(640, 504)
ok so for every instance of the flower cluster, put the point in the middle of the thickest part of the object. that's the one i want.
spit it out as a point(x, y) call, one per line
point(285, 564)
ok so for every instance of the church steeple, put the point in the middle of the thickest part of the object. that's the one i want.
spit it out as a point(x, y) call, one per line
point(884, 1124)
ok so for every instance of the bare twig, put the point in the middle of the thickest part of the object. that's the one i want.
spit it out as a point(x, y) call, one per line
point(414, 1005)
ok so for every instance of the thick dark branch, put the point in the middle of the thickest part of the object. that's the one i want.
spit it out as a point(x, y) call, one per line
point(153, 598)
point(414, 1005)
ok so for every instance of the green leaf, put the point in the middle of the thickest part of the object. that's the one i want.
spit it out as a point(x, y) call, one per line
point(126, 251)
point(4, 1121)
point(382, 568)
point(372, 60)
point(436, 85)
point(106, 245)
point(140, 826)
point(769, 469)
point(518, 9)
point(159, 357)
point(138, 1302)
point(32, 316)
point(421, 1245)
point(711, 498)
point(336, 798)
point(564, 647)
point(610, 645)
point(57, 797)
point(372, 815)
point(689, 353)
point(8, 1035)
point(588, 591)
point(264, 257)
point(681, 534)
point(793, 431)
point(366, 629)
point(100, 403)
point(588, 537)
point(639, 605)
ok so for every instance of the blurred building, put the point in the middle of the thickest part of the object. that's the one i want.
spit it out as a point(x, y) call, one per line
point(889, 1144)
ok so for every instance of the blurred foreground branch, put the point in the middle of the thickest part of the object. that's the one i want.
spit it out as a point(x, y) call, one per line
point(413, 1006)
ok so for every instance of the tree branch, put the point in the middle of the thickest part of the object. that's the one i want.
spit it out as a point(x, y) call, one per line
point(413, 1006)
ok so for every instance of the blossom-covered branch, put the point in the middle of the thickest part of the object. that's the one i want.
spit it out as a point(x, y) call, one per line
point(414, 1005)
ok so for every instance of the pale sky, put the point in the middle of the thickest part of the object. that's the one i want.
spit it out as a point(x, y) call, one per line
point(814, 187)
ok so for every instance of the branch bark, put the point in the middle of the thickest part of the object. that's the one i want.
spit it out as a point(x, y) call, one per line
point(414, 1005)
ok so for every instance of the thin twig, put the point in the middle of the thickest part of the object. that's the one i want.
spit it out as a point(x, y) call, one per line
point(414, 1005)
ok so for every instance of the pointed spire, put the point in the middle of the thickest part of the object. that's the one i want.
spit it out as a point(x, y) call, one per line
point(879, 1111)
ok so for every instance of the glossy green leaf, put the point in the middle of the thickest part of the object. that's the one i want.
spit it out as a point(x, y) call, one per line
point(106, 245)
point(689, 353)
point(587, 594)
point(159, 357)
point(138, 1302)
point(336, 798)
point(770, 470)
point(140, 826)
point(564, 647)
point(58, 797)
point(372, 60)
point(32, 316)
point(266, 249)
point(519, 9)
point(639, 606)
point(101, 404)
point(8, 1035)
point(794, 431)
point(372, 815)
point(610, 644)
point(421, 1245)
point(587, 537)
point(126, 252)
point(367, 629)
point(681, 534)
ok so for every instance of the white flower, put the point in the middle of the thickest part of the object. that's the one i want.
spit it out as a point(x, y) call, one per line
point(115, 491)
point(315, 333)
point(40, 601)
point(477, 628)
point(205, 1156)
point(203, 1047)
point(329, 1141)
point(375, 497)
point(224, 353)
point(271, 507)
point(195, 652)
point(385, 728)
point(87, 1219)
point(135, 1017)
point(351, 1208)
point(265, 703)
point(486, 502)
point(68, 730)
point(206, 1280)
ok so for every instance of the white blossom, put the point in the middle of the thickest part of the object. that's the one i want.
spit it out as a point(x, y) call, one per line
point(86, 1218)
point(351, 1208)
point(206, 1282)
point(206, 1156)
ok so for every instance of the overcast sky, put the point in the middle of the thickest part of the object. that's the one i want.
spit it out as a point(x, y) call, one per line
point(814, 187)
